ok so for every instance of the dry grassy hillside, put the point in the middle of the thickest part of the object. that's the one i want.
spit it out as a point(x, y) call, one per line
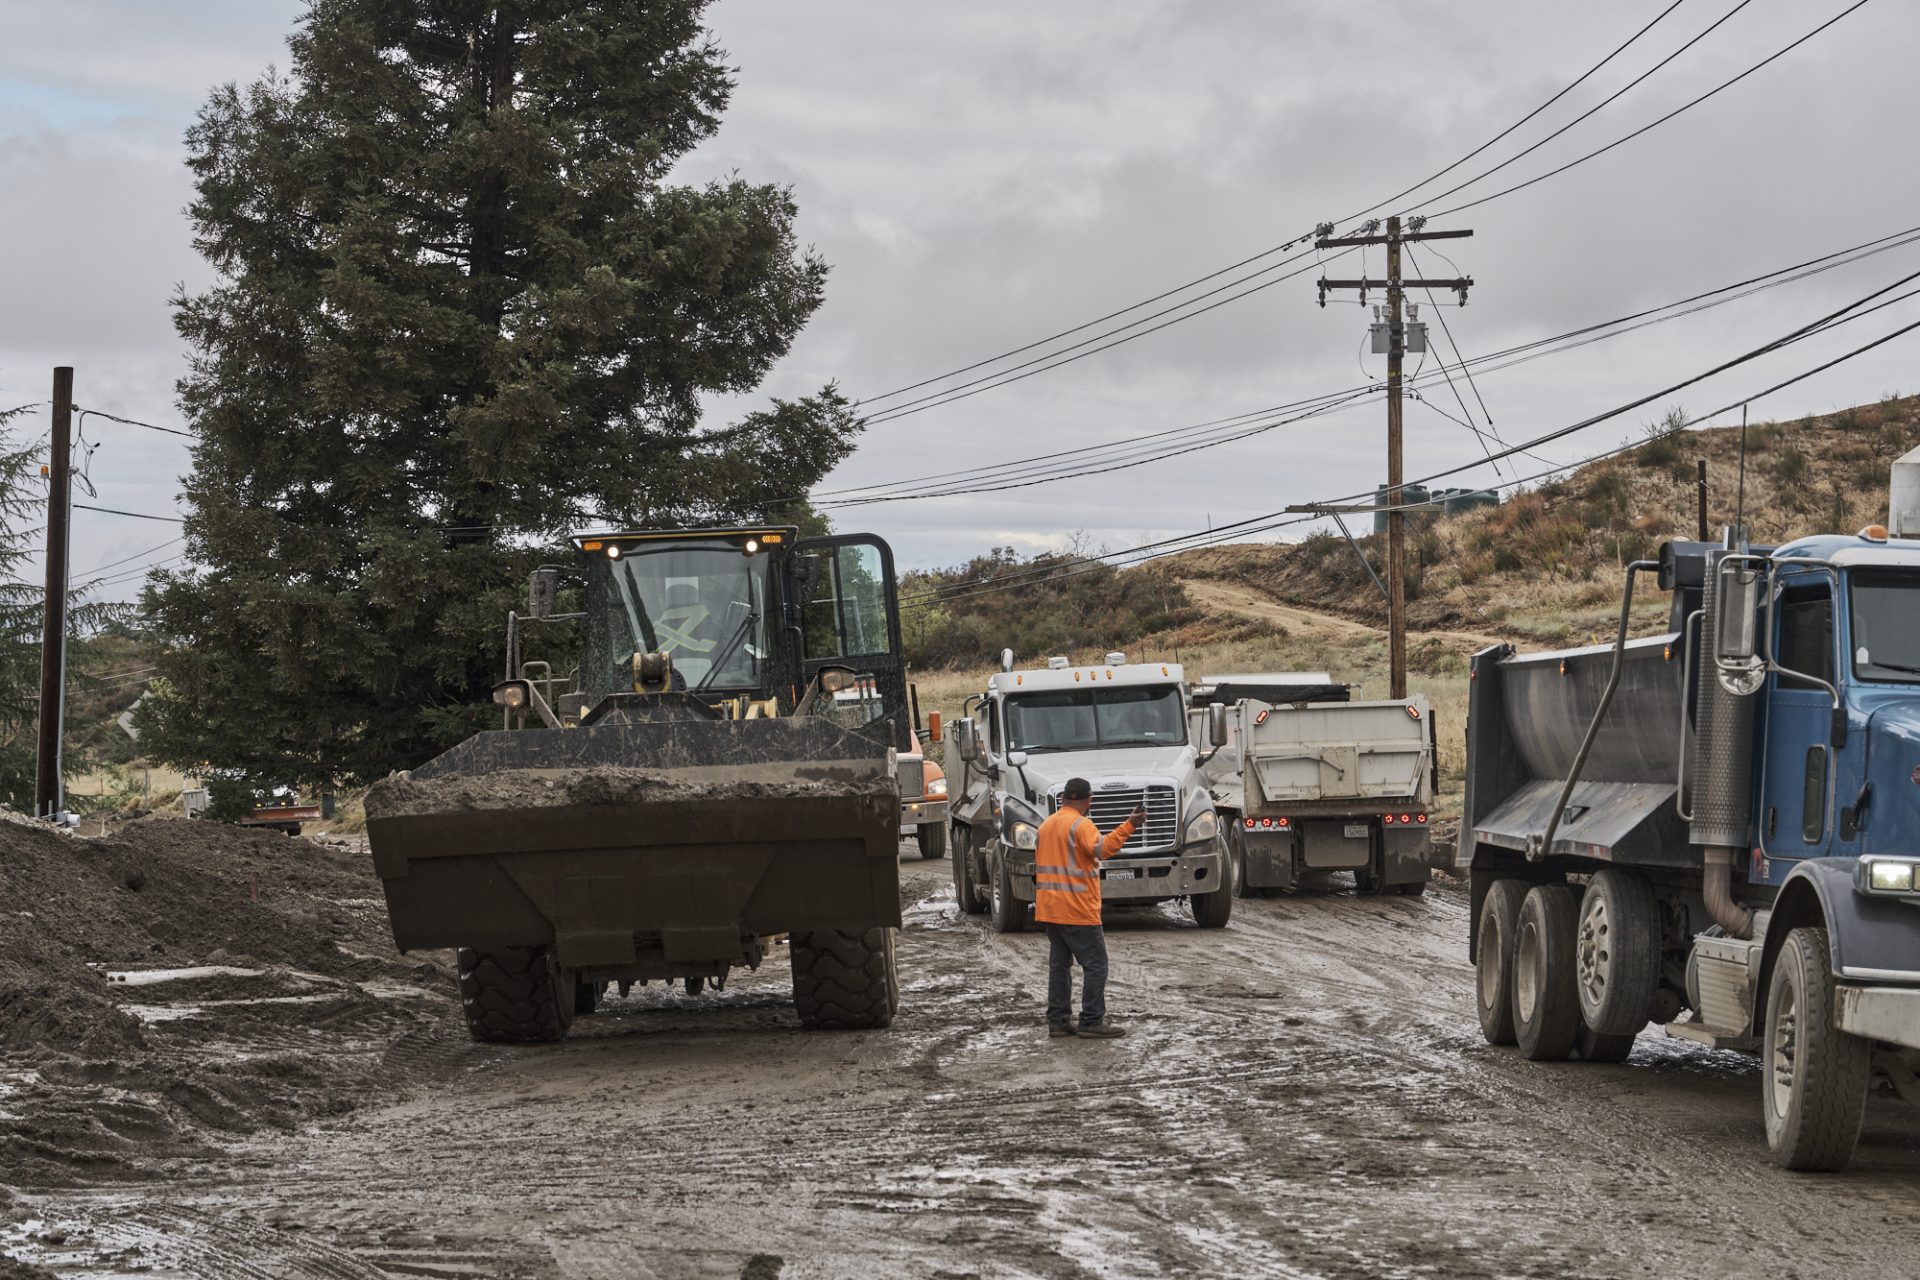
point(1544, 567)
point(1541, 569)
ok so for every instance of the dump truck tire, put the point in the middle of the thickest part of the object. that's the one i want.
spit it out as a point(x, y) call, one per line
point(1493, 962)
point(965, 892)
point(1617, 954)
point(1594, 1047)
point(1008, 912)
point(844, 981)
point(1546, 1005)
point(933, 840)
point(1813, 1076)
point(515, 995)
point(1213, 910)
point(1414, 889)
point(586, 997)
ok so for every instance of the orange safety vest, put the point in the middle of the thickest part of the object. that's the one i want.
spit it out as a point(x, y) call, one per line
point(1066, 867)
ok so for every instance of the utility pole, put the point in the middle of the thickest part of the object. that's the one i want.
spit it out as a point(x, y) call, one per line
point(1396, 346)
point(1703, 498)
point(53, 644)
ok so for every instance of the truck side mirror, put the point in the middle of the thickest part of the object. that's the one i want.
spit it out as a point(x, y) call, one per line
point(967, 738)
point(1736, 628)
point(1216, 725)
point(543, 590)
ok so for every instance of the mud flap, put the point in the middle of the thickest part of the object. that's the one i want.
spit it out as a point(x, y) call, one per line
point(1267, 859)
point(1404, 854)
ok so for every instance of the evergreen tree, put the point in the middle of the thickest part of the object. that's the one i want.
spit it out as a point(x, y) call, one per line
point(22, 499)
point(460, 310)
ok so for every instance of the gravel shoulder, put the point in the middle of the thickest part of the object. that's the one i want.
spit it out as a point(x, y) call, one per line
point(1303, 1094)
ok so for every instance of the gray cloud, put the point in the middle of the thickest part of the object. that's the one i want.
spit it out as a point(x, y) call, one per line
point(982, 175)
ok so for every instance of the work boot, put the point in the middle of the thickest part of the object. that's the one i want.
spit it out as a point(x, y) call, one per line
point(1060, 1031)
point(1101, 1030)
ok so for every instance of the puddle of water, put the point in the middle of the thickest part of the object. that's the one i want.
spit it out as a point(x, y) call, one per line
point(151, 977)
point(174, 1012)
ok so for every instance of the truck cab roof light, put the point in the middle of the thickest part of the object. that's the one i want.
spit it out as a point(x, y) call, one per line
point(1874, 533)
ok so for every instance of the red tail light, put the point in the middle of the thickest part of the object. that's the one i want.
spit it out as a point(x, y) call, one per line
point(1423, 818)
point(1251, 823)
point(1407, 818)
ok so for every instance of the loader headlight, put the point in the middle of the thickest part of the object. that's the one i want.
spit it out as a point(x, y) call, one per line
point(1887, 875)
point(937, 788)
point(511, 693)
point(1023, 835)
point(1203, 829)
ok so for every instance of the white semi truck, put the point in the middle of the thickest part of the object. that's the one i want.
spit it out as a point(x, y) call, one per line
point(1310, 782)
point(1122, 726)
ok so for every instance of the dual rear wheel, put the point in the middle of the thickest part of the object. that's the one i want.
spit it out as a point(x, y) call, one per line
point(1559, 975)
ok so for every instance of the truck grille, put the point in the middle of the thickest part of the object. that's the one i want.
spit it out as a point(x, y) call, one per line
point(1111, 806)
point(912, 772)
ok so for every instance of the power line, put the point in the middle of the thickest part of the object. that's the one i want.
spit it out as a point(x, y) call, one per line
point(1269, 252)
point(135, 556)
point(1687, 106)
point(131, 422)
point(1600, 106)
point(1228, 430)
point(137, 515)
point(1255, 524)
point(994, 381)
point(1584, 77)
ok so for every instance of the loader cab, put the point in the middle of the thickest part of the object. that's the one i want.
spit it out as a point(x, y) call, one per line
point(749, 613)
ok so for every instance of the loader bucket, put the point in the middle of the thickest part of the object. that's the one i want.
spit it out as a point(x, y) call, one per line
point(663, 843)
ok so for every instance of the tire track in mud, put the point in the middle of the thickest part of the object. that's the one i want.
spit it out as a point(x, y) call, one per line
point(1304, 1094)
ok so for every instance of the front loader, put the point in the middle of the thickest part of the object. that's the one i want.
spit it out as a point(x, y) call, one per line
point(689, 799)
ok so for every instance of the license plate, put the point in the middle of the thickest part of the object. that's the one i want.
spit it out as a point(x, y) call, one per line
point(1120, 875)
point(1356, 831)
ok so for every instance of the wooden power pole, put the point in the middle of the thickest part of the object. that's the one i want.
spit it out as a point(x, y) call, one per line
point(53, 644)
point(1396, 333)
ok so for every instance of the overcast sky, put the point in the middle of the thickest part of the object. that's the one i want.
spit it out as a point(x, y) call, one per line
point(982, 175)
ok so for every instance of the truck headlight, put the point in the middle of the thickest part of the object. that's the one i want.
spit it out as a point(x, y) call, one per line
point(937, 788)
point(1023, 835)
point(1203, 829)
point(1887, 875)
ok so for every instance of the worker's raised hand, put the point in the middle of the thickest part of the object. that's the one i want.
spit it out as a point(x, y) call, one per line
point(1139, 815)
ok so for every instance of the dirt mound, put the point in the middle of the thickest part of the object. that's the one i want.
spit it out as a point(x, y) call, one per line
point(178, 978)
point(402, 796)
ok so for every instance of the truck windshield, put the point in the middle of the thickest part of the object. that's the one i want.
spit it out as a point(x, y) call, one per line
point(1886, 643)
point(705, 605)
point(1087, 719)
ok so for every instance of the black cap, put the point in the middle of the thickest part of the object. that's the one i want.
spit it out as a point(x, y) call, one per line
point(1077, 789)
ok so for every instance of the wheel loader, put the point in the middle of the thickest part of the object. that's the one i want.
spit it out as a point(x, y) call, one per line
point(690, 799)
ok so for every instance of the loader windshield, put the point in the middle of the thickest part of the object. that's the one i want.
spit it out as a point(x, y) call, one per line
point(1087, 719)
point(707, 606)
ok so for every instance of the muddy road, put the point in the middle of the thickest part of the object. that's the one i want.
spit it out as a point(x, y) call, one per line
point(1304, 1094)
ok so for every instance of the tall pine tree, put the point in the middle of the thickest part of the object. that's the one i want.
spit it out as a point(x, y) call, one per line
point(460, 310)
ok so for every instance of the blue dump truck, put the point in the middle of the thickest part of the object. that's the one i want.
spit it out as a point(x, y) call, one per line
point(1716, 828)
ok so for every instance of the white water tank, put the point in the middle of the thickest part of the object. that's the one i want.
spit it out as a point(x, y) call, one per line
point(1903, 514)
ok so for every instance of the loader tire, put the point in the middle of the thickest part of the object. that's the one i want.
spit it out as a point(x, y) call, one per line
point(1813, 1076)
point(1546, 999)
point(844, 981)
point(515, 995)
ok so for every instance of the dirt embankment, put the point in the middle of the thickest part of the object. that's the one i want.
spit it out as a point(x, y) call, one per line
point(180, 979)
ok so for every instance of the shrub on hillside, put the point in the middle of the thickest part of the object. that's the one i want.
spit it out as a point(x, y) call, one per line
point(1052, 603)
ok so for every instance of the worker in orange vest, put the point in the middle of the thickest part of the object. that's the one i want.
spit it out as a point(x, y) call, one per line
point(1066, 898)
